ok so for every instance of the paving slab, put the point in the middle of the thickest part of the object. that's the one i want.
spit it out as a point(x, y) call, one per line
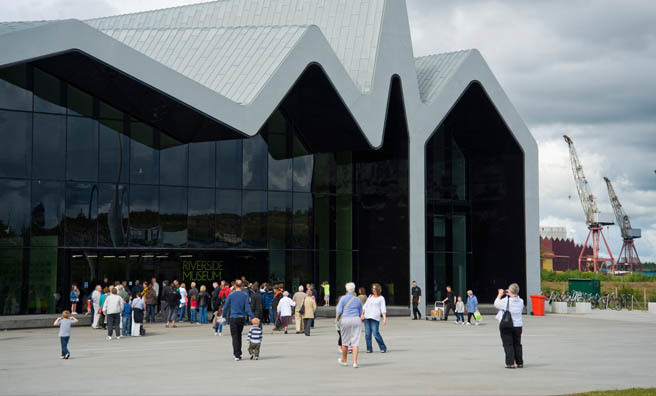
point(563, 354)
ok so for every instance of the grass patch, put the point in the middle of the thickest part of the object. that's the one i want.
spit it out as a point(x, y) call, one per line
point(551, 276)
point(623, 392)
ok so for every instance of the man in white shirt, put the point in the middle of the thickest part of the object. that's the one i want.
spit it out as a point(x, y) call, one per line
point(112, 308)
point(95, 299)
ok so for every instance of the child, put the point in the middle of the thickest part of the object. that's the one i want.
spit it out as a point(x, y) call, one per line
point(74, 297)
point(460, 311)
point(219, 320)
point(65, 322)
point(193, 307)
point(255, 339)
point(126, 316)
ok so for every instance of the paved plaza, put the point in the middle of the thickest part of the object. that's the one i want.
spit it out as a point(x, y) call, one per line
point(563, 354)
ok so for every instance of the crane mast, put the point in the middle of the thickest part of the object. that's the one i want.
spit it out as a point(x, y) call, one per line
point(590, 211)
point(628, 254)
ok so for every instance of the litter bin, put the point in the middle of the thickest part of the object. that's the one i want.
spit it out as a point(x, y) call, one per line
point(538, 304)
point(589, 286)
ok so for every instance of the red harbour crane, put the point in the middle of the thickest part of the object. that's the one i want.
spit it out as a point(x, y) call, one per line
point(628, 257)
point(595, 227)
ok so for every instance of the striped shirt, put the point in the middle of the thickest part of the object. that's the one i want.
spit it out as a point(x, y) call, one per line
point(255, 335)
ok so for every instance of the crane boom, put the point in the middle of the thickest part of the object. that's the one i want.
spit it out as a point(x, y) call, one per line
point(587, 199)
point(622, 218)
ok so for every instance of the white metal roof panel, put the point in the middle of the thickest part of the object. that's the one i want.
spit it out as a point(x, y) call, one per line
point(434, 70)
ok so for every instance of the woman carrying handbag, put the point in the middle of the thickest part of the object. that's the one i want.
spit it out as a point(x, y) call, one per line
point(510, 324)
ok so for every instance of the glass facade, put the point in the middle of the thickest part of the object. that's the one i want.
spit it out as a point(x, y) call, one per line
point(89, 190)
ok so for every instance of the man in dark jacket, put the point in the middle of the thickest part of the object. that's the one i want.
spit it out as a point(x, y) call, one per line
point(215, 296)
point(256, 302)
point(164, 303)
point(173, 300)
point(277, 296)
point(267, 302)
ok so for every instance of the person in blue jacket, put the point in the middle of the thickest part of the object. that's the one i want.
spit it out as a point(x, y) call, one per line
point(472, 306)
point(237, 310)
point(267, 301)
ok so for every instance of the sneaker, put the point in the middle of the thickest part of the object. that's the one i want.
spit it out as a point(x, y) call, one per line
point(355, 365)
point(109, 337)
point(512, 366)
point(476, 324)
point(257, 358)
point(468, 324)
point(342, 363)
point(220, 334)
point(61, 357)
point(252, 357)
point(216, 334)
point(67, 356)
point(118, 338)
point(520, 366)
point(369, 351)
point(383, 351)
point(456, 322)
point(237, 359)
point(73, 313)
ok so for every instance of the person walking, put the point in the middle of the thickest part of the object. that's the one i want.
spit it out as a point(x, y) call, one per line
point(472, 307)
point(298, 298)
point(460, 311)
point(237, 310)
point(255, 339)
point(415, 300)
point(112, 308)
point(277, 296)
point(349, 310)
point(309, 308)
point(203, 302)
point(65, 321)
point(374, 308)
point(75, 298)
point(284, 309)
point(511, 329)
point(172, 301)
point(151, 302)
point(256, 303)
point(449, 303)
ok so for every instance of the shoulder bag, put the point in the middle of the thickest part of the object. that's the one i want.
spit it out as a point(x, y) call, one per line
point(339, 317)
point(506, 319)
point(301, 310)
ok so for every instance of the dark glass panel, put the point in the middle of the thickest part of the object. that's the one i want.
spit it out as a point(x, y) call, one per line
point(254, 226)
point(14, 92)
point(323, 178)
point(202, 167)
point(47, 213)
point(48, 93)
point(300, 269)
point(14, 211)
point(302, 221)
point(173, 161)
point(344, 222)
point(113, 215)
point(343, 269)
point(201, 217)
point(81, 214)
point(144, 156)
point(109, 112)
point(278, 262)
point(303, 168)
point(280, 163)
point(80, 103)
point(82, 149)
point(173, 216)
point(254, 170)
point(445, 167)
point(279, 219)
point(229, 163)
point(16, 147)
point(344, 172)
point(42, 281)
point(49, 150)
point(83, 274)
point(114, 152)
point(228, 218)
point(144, 216)
point(114, 267)
point(12, 280)
point(323, 223)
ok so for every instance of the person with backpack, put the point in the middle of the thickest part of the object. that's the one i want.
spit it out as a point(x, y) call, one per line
point(510, 324)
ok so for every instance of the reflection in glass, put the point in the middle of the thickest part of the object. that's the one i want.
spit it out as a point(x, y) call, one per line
point(11, 280)
point(173, 161)
point(49, 145)
point(114, 152)
point(14, 94)
point(302, 221)
point(300, 269)
point(14, 211)
point(280, 163)
point(279, 219)
point(43, 295)
point(81, 214)
point(109, 112)
point(229, 163)
point(254, 170)
point(113, 215)
point(16, 147)
point(48, 93)
point(47, 212)
point(79, 103)
point(201, 217)
point(322, 222)
point(144, 216)
point(173, 216)
point(303, 168)
point(323, 179)
point(202, 167)
point(228, 218)
point(144, 156)
point(254, 226)
point(82, 149)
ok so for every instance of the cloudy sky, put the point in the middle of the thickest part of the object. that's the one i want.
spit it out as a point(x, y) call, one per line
point(584, 68)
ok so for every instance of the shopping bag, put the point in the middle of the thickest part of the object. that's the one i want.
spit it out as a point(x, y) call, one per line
point(478, 316)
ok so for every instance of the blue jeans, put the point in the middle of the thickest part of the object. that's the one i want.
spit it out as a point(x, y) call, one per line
point(272, 316)
point(218, 328)
point(192, 315)
point(371, 326)
point(202, 311)
point(127, 325)
point(64, 345)
point(150, 313)
point(182, 312)
point(460, 316)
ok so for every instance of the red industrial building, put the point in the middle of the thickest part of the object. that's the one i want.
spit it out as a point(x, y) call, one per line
point(561, 254)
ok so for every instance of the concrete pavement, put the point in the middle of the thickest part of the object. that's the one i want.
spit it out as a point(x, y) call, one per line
point(563, 354)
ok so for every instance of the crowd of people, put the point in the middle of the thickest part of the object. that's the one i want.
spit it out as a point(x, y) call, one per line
point(122, 309)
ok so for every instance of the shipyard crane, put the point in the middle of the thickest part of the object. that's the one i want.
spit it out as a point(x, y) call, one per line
point(626, 257)
point(590, 210)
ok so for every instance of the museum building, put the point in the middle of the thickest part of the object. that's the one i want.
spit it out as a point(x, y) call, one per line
point(287, 141)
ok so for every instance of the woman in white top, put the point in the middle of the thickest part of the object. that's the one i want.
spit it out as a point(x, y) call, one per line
point(285, 310)
point(373, 309)
point(183, 302)
point(512, 337)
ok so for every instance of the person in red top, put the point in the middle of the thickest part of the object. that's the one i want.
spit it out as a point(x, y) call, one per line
point(225, 291)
